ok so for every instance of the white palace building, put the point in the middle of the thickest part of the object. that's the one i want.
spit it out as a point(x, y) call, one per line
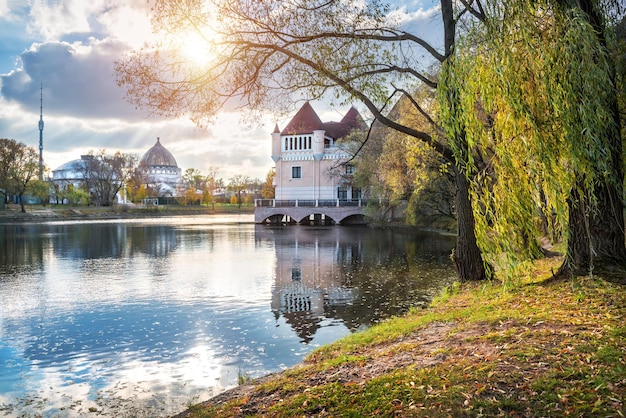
point(311, 173)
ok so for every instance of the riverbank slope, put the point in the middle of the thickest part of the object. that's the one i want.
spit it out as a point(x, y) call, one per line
point(542, 348)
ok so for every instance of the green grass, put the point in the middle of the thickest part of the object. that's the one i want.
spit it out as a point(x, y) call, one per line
point(543, 348)
point(69, 211)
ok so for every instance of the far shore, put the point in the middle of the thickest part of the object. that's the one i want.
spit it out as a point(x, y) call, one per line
point(12, 212)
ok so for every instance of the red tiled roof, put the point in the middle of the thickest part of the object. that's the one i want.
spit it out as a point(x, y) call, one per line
point(337, 130)
point(306, 121)
point(354, 119)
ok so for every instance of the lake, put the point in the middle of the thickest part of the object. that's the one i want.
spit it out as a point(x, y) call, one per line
point(145, 317)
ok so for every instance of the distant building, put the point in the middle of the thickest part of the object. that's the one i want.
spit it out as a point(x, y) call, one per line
point(306, 152)
point(67, 178)
point(158, 167)
point(72, 172)
point(160, 170)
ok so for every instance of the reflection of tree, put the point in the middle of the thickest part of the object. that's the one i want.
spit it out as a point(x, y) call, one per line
point(92, 241)
point(154, 240)
point(88, 241)
point(21, 247)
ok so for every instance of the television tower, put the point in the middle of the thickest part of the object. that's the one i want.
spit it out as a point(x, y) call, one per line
point(41, 134)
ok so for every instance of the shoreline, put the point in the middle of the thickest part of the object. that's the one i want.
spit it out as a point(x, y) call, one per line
point(46, 213)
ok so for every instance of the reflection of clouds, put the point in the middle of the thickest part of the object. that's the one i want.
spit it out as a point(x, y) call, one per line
point(145, 332)
point(47, 392)
point(149, 330)
point(138, 389)
point(212, 262)
point(152, 357)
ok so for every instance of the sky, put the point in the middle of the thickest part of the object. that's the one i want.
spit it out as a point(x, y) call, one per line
point(69, 47)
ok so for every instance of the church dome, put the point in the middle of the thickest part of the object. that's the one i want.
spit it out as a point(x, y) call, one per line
point(159, 156)
point(71, 170)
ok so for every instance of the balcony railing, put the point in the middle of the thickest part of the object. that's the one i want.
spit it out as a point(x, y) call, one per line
point(312, 203)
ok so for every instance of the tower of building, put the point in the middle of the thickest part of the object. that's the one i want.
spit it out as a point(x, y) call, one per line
point(41, 134)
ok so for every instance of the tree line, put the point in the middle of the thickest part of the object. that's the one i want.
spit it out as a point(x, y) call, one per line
point(98, 178)
point(519, 102)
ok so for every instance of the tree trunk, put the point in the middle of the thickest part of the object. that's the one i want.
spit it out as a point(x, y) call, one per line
point(596, 237)
point(467, 256)
point(21, 197)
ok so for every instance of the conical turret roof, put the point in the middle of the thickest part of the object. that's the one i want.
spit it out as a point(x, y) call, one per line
point(353, 118)
point(304, 122)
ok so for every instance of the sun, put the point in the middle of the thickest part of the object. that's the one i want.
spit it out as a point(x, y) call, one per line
point(196, 49)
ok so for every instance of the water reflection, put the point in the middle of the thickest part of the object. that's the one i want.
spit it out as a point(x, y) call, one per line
point(144, 317)
point(354, 274)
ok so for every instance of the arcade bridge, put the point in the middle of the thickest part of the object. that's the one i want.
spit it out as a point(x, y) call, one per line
point(315, 212)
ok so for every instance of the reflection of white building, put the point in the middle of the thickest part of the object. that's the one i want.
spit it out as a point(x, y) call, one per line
point(160, 170)
point(310, 279)
point(308, 273)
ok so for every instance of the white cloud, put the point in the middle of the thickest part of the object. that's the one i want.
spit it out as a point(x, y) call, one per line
point(54, 19)
point(84, 109)
point(4, 9)
point(128, 23)
point(11, 10)
point(77, 78)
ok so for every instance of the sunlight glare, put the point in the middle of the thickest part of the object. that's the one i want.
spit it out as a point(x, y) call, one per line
point(196, 49)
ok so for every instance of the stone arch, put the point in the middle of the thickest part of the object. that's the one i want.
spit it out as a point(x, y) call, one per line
point(353, 219)
point(317, 218)
point(335, 215)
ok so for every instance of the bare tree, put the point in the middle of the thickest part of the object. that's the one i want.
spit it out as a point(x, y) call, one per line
point(212, 184)
point(238, 185)
point(105, 175)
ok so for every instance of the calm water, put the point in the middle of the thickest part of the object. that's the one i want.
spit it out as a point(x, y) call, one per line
point(144, 317)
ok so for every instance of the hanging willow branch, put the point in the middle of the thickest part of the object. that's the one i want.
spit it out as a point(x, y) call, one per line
point(536, 93)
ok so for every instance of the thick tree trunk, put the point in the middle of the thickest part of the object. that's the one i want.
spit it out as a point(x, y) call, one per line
point(595, 235)
point(468, 258)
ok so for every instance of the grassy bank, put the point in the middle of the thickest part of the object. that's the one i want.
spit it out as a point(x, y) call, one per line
point(545, 348)
point(34, 212)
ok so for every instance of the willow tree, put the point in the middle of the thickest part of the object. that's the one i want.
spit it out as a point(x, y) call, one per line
point(539, 99)
point(258, 54)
